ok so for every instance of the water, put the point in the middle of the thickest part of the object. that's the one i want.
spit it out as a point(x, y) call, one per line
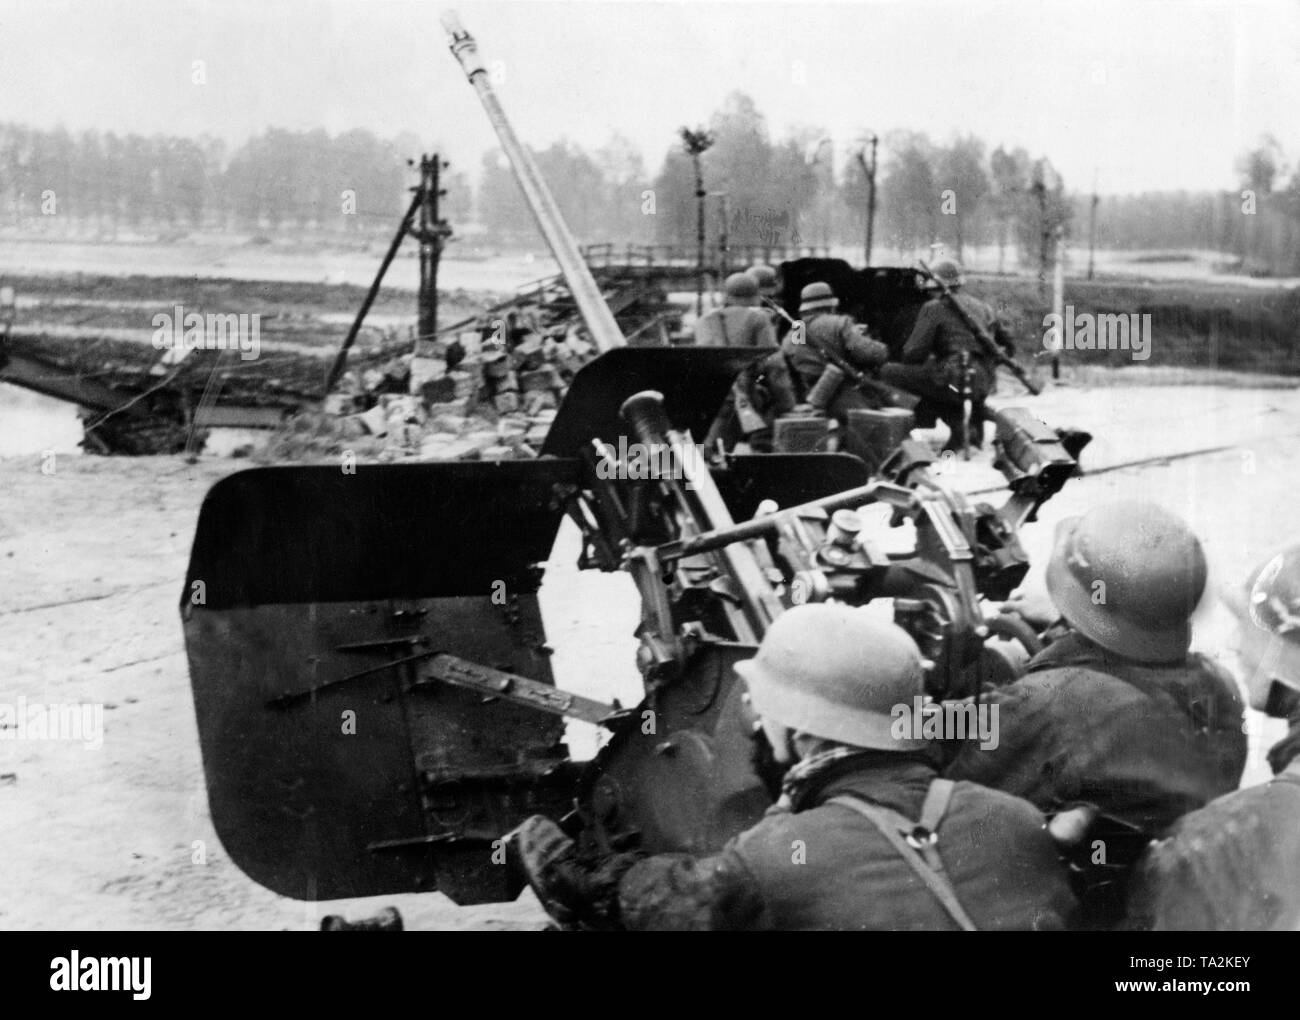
point(31, 424)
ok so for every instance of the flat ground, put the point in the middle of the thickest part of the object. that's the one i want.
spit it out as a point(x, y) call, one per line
point(92, 559)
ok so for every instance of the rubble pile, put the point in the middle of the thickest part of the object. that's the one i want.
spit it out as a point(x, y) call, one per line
point(487, 394)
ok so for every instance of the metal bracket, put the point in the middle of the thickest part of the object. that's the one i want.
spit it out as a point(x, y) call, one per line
point(514, 688)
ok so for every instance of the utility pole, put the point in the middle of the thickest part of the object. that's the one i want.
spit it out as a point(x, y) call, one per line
point(431, 233)
point(421, 222)
point(1058, 295)
point(870, 170)
point(724, 257)
point(1092, 226)
point(1039, 188)
point(696, 144)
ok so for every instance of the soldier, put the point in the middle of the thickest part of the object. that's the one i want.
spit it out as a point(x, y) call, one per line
point(815, 374)
point(932, 360)
point(865, 835)
point(739, 323)
point(1234, 865)
point(1116, 715)
point(768, 294)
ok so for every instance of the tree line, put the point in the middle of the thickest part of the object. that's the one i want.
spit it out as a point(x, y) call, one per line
point(799, 190)
point(1259, 222)
point(795, 191)
point(103, 182)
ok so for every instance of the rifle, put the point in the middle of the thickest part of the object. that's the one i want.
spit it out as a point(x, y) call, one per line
point(989, 345)
point(778, 309)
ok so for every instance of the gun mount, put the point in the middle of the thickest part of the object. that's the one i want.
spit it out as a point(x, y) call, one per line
point(370, 666)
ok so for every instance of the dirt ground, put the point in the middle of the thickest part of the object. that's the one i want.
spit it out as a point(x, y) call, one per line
point(92, 559)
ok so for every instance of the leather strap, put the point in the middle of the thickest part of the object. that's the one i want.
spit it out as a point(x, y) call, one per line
point(917, 843)
point(936, 803)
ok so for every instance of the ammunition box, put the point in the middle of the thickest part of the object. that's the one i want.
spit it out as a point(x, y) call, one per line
point(879, 432)
point(800, 435)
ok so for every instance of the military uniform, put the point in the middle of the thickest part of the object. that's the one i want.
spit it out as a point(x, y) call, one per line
point(735, 326)
point(738, 323)
point(931, 363)
point(819, 865)
point(826, 331)
point(769, 293)
point(1234, 865)
point(836, 333)
point(865, 834)
point(1144, 743)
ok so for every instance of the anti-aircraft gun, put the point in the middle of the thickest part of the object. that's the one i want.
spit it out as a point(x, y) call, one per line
point(370, 667)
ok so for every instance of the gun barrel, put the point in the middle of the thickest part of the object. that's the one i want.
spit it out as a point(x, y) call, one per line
point(873, 492)
point(759, 604)
point(604, 330)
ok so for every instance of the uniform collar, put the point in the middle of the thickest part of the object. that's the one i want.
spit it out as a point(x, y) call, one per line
point(891, 778)
point(1074, 649)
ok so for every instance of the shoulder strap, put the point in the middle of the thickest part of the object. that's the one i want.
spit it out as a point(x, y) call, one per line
point(936, 803)
point(917, 844)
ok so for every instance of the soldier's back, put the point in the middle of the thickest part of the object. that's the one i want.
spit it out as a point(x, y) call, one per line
point(952, 334)
point(829, 868)
point(734, 326)
point(1233, 865)
point(820, 333)
point(1145, 744)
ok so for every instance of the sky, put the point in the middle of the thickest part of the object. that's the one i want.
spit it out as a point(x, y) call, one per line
point(1140, 96)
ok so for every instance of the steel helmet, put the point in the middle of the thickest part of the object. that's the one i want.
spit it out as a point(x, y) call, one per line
point(835, 672)
point(1128, 575)
point(1267, 607)
point(765, 277)
point(740, 289)
point(949, 271)
point(816, 296)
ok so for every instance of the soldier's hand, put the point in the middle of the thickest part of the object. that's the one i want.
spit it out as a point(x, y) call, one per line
point(575, 891)
point(1070, 827)
point(1033, 605)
